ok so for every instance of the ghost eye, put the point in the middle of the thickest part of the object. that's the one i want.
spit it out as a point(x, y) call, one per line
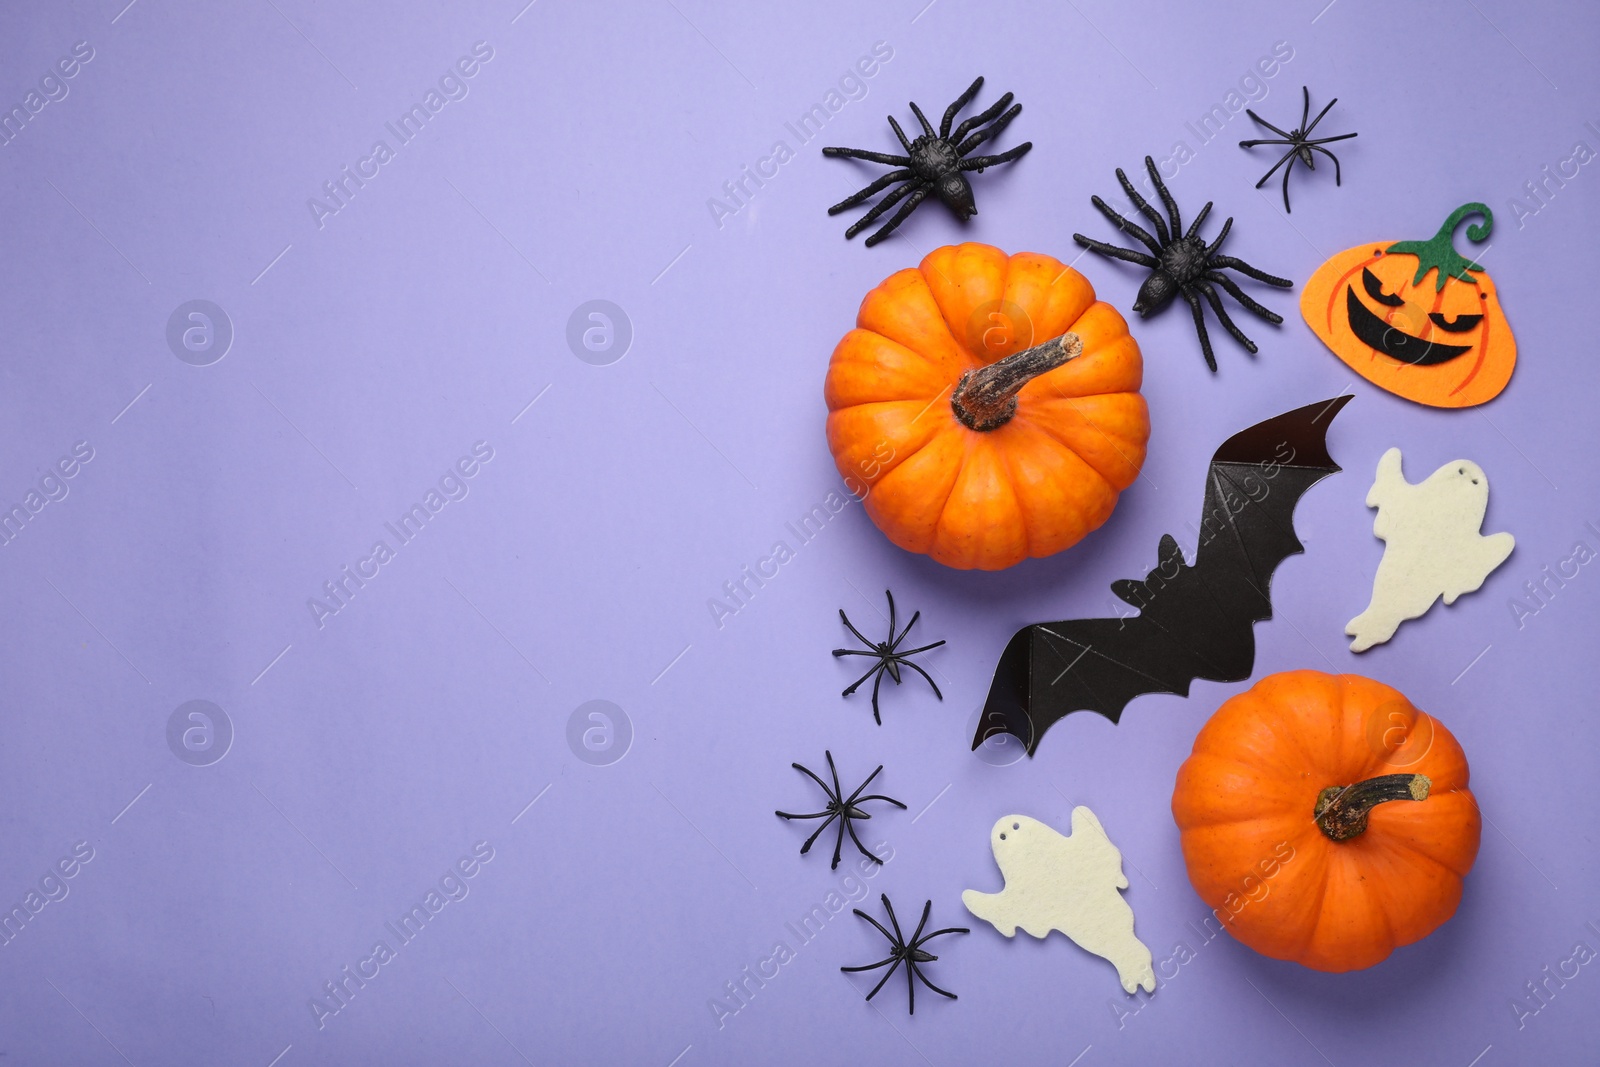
point(1002, 837)
point(1374, 287)
point(1461, 324)
point(1016, 826)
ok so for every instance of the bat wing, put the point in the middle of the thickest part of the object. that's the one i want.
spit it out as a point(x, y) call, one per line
point(1193, 621)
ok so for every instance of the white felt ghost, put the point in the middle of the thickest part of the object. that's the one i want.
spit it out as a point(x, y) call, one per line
point(1432, 547)
point(1068, 884)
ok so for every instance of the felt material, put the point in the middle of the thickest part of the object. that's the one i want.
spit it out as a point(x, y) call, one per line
point(1065, 883)
point(1416, 318)
point(1193, 621)
point(1433, 546)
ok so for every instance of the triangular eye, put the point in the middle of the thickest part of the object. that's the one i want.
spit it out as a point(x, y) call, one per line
point(1374, 287)
point(1461, 324)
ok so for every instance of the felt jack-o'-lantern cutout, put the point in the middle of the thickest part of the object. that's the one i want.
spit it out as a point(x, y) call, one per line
point(1441, 340)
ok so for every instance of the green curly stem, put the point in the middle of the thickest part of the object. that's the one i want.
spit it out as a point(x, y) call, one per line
point(1341, 811)
point(1437, 253)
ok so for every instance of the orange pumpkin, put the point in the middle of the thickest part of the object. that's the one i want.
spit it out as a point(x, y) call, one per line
point(987, 406)
point(1443, 342)
point(1326, 820)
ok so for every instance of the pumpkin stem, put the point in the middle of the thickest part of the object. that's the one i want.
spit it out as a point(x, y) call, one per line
point(986, 398)
point(1342, 810)
point(1437, 253)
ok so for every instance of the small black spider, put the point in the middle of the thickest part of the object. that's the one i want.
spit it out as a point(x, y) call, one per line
point(1181, 264)
point(889, 657)
point(933, 163)
point(842, 809)
point(1300, 143)
point(911, 953)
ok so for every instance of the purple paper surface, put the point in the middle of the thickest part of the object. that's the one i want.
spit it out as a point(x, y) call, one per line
point(611, 886)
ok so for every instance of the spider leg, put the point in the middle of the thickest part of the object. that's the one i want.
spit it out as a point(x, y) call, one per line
point(1127, 255)
point(893, 940)
point(927, 127)
point(1222, 316)
point(899, 216)
point(1306, 109)
point(892, 641)
point(1144, 207)
point(1166, 197)
point(848, 803)
point(838, 841)
point(1132, 229)
point(977, 163)
point(859, 846)
point(1194, 227)
point(875, 716)
point(884, 979)
point(946, 930)
point(954, 109)
point(1330, 155)
point(1327, 140)
point(834, 774)
point(1286, 157)
point(1222, 235)
point(898, 132)
point(870, 157)
point(1267, 124)
point(853, 686)
point(879, 208)
point(1241, 296)
point(1267, 140)
point(1307, 130)
point(879, 796)
point(859, 635)
point(792, 815)
point(914, 651)
point(895, 639)
point(812, 775)
point(1286, 171)
point(870, 966)
point(1200, 328)
point(976, 139)
point(931, 682)
point(1244, 268)
point(936, 989)
point(812, 839)
point(911, 986)
point(899, 938)
point(916, 938)
point(856, 652)
point(882, 183)
point(972, 122)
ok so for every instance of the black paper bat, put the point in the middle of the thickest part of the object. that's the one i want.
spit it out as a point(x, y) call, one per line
point(1193, 621)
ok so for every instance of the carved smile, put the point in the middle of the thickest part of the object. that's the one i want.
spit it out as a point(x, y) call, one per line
point(1397, 344)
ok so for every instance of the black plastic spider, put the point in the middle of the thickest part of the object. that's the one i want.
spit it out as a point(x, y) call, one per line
point(1185, 264)
point(890, 658)
point(933, 163)
point(842, 809)
point(911, 953)
point(1300, 143)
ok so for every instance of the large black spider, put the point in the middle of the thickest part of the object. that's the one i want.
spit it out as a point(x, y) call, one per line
point(889, 657)
point(911, 953)
point(843, 809)
point(1181, 264)
point(1300, 143)
point(933, 163)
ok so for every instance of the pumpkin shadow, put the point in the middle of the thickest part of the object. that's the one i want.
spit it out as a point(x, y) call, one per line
point(1409, 978)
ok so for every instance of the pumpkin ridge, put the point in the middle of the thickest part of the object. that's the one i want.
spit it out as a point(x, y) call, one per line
point(1055, 439)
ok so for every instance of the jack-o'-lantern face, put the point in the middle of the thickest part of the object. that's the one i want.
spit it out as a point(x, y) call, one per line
point(1415, 317)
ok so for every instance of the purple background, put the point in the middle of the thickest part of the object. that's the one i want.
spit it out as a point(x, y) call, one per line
point(373, 752)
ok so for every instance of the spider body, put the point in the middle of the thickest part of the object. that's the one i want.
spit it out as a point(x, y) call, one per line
point(935, 162)
point(889, 655)
point(1181, 263)
point(840, 807)
point(1302, 147)
point(911, 953)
